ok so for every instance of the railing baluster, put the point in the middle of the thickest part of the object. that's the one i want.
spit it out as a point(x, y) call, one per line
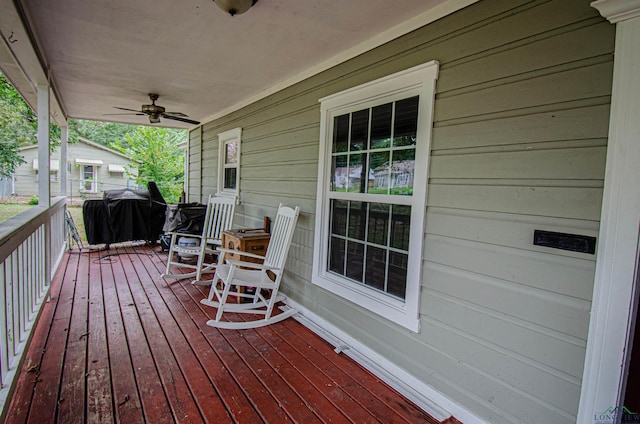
point(4, 340)
point(36, 238)
point(15, 306)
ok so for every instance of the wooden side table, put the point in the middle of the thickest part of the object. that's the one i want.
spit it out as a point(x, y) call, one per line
point(246, 240)
point(253, 241)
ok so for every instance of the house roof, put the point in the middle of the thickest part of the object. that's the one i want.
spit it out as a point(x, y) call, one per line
point(89, 143)
point(201, 61)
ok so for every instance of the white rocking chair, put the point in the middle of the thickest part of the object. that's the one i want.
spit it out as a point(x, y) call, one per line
point(260, 281)
point(218, 217)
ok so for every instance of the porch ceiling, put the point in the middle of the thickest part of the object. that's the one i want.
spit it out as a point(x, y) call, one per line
point(202, 62)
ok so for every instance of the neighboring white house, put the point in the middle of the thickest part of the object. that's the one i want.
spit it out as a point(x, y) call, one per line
point(92, 169)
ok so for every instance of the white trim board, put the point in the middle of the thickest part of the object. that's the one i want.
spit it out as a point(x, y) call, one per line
point(604, 371)
point(426, 397)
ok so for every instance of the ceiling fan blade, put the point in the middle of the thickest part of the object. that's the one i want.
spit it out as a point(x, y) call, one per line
point(124, 108)
point(177, 118)
point(177, 114)
point(138, 114)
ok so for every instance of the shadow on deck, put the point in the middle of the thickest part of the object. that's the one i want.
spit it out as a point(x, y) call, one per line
point(117, 343)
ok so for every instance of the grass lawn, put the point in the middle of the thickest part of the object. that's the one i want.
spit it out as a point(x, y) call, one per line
point(9, 210)
point(76, 214)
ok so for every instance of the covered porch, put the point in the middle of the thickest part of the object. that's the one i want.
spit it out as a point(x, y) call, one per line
point(509, 330)
point(117, 342)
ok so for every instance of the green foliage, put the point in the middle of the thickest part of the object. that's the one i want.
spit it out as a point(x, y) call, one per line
point(15, 127)
point(18, 127)
point(33, 200)
point(158, 156)
point(100, 132)
point(155, 149)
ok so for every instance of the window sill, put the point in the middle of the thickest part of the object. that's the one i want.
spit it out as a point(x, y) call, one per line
point(394, 310)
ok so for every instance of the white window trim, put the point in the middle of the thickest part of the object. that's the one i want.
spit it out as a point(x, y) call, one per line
point(419, 80)
point(223, 139)
point(94, 181)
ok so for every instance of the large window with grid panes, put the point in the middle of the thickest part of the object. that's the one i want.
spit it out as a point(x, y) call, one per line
point(372, 188)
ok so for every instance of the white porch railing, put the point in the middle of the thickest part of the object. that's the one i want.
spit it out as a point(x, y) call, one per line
point(32, 245)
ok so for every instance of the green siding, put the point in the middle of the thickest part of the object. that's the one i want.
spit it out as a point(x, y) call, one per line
point(195, 166)
point(519, 144)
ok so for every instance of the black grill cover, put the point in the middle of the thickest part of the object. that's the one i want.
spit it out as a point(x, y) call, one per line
point(96, 222)
point(185, 218)
point(124, 215)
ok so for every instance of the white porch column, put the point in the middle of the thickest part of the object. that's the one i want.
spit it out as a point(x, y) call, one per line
point(618, 240)
point(64, 142)
point(44, 188)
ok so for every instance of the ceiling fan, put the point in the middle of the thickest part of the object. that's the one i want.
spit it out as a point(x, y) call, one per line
point(155, 112)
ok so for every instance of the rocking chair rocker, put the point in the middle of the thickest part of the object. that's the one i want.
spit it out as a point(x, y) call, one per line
point(260, 281)
point(218, 217)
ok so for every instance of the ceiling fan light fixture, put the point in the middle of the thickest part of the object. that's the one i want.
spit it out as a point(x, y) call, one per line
point(235, 7)
point(155, 112)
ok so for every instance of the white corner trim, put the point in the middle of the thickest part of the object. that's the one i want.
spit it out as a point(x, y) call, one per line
point(443, 9)
point(603, 375)
point(617, 10)
point(426, 397)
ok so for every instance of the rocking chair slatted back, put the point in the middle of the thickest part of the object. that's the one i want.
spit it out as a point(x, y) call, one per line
point(219, 217)
point(281, 235)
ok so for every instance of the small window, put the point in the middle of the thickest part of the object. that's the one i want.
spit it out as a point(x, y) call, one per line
point(88, 179)
point(229, 162)
point(370, 214)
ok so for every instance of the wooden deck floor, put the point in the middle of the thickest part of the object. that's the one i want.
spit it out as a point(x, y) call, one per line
point(117, 343)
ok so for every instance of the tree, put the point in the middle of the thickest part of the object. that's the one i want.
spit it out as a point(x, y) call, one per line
point(158, 157)
point(155, 149)
point(18, 127)
point(100, 132)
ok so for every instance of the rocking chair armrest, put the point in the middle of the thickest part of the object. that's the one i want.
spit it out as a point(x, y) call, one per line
point(252, 265)
point(241, 253)
point(172, 233)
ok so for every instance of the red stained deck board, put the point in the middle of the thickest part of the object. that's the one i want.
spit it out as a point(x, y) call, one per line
point(260, 399)
point(299, 409)
point(72, 387)
point(160, 363)
point(155, 405)
point(148, 356)
point(314, 376)
point(180, 398)
point(124, 394)
point(199, 384)
point(315, 398)
point(230, 394)
point(220, 389)
point(46, 395)
point(384, 398)
point(99, 401)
